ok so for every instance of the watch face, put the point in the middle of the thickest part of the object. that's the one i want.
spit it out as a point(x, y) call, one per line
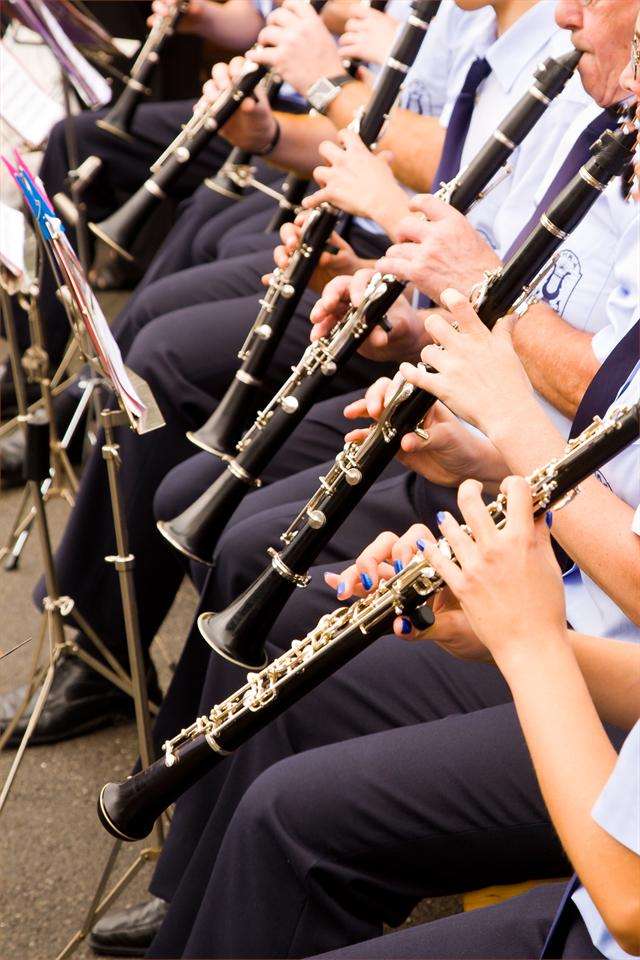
point(321, 94)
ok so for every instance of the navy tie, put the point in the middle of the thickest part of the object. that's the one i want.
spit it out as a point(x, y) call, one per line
point(577, 156)
point(613, 373)
point(459, 123)
point(456, 135)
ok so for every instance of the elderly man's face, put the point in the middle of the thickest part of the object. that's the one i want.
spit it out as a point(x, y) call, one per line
point(603, 30)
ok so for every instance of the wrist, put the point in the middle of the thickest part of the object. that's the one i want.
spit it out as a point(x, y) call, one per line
point(544, 649)
point(504, 422)
point(274, 138)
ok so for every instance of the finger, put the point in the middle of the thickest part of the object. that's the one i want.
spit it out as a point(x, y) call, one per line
point(407, 545)
point(331, 151)
point(344, 583)
point(475, 512)
point(281, 257)
point(458, 540)
point(356, 436)
point(356, 409)
point(519, 510)
point(445, 567)
point(368, 563)
point(429, 205)
point(440, 330)
point(461, 311)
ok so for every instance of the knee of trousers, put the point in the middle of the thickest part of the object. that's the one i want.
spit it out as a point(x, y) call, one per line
point(184, 484)
point(151, 356)
point(273, 813)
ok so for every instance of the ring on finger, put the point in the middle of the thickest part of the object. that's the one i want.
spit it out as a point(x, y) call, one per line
point(423, 434)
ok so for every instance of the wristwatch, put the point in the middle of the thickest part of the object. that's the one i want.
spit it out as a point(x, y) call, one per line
point(324, 91)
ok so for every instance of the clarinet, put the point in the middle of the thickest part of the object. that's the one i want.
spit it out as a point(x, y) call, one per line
point(294, 187)
point(235, 632)
point(119, 119)
point(121, 228)
point(128, 809)
point(231, 179)
point(239, 404)
point(237, 173)
point(196, 530)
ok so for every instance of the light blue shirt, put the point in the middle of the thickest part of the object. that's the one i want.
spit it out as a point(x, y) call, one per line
point(617, 811)
point(588, 608)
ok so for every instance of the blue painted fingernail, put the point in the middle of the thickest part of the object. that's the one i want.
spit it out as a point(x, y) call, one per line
point(366, 581)
point(407, 626)
point(549, 518)
point(440, 515)
point(398, 566)
point(341, 588)
point(421, 545)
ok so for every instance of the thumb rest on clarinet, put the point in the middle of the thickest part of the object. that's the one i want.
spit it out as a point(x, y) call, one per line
point(233, 632)
point(195, 531)
point(128, 809)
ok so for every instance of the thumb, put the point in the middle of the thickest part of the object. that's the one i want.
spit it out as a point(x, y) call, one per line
point(432, 207)
point(505, 326)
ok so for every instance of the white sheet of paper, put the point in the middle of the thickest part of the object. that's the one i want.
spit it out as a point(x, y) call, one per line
point(24, 104)
point(12, 238)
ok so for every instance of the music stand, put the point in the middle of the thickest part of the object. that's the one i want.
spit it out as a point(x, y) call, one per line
point(136, 409)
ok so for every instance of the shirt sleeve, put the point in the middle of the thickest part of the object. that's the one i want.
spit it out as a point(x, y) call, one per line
point(617, 809)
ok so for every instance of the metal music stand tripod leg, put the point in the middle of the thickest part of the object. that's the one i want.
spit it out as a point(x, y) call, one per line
point(123, 563)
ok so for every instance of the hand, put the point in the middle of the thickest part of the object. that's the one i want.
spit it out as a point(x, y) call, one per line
point(368, 35)
point(388, 555)
point(252, 127)
point(344, 261)
point(404, 339)
point(191, 21)
point(443, 252)
point(448, 455)
point(296, 43)
point(473, 355)
point(507, 581)
point(359, 182)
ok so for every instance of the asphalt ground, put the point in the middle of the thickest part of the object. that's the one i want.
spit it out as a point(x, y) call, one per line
point(52, 848)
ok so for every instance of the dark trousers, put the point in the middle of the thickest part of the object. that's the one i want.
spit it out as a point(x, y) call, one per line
point(188, 355)
point(514, 929)
point(404, 775)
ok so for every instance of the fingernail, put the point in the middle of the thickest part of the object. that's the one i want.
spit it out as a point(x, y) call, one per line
point(366, 581)
point(398, 566)
point(407, 626)
point(421, 545)
point(341, 588)
point(440, 515)
point(549, 518)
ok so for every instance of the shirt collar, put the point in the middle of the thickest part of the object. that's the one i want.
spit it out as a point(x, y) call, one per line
point(521, 42)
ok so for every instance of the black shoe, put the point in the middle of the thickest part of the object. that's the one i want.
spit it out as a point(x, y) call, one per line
point(128, 932)
point(12, 450)
point(80, 700)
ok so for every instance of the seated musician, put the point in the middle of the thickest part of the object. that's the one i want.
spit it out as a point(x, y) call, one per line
point(193, 843)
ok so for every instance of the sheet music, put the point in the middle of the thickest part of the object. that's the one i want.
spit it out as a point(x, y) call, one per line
point(90, 85)
point(24, 104)
point(12, 240)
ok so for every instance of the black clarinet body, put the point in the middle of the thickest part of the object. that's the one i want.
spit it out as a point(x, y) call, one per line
point(120, 117)
point(358, 466)
point(120, 229)
point(128, 809)
point(197, 529)
point(238, 407)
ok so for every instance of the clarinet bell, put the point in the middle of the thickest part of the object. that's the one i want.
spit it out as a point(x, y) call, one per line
point(120, 229)
point(224, 428)
point(217, 630)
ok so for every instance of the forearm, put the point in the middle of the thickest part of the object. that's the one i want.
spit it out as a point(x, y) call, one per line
point(233, 25)
point(558, 358)
point(335, 14)
point(573, 759)
point(595, 528)
point(611, 669)
point(300, 138)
